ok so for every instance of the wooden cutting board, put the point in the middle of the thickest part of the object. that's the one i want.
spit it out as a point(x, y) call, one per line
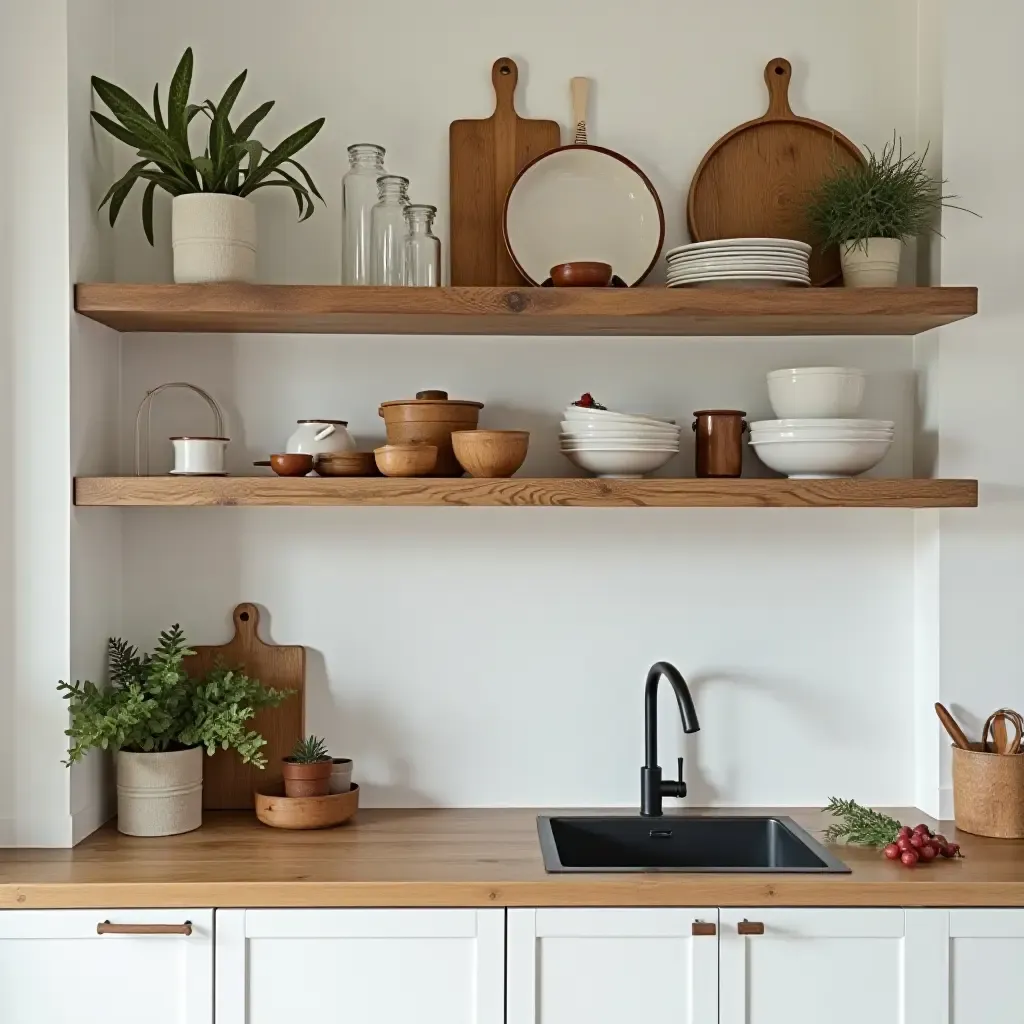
point(228, 784)
point(755, 182)
point(485, 157)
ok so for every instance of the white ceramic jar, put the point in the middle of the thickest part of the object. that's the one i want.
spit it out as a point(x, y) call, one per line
point(341, 775)
point(199, 456)
point(213, 238)
point(871, 263)
point(159, 794)
point(317, 437)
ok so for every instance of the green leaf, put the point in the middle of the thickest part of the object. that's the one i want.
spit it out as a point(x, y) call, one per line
point(158, 116)
point(132, 173)
point(177, 99)
point(309, 181)
point(116, 130)
point(298, 190)
point(204, 165)
point(285, 151)
point(157, 140)
point(118, 198)
point(118, 100)
point(147, 210)
point(248, 124)
point(220, 130)
point(169, 184)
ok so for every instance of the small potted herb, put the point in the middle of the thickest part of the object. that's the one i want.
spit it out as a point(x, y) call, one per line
point(213, 221)
point(158, 721)
point(307, 770)
point(871, 209)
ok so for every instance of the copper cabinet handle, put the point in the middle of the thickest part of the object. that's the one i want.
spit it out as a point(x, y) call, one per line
point(107, 928)
point(703, 928)
point(746, 927)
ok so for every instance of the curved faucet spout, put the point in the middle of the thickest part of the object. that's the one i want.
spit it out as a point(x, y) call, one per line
point(652, 789)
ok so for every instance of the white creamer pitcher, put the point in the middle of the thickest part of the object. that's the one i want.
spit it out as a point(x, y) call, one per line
point(316, 437)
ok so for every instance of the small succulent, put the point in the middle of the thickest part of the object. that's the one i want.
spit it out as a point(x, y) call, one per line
point(310, 751)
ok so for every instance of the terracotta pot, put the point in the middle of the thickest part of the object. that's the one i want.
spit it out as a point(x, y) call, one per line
point(430, 418)
point(719, 449)
point(307, 779)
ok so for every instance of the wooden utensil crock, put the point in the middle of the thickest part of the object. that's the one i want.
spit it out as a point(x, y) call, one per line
point(719, 449)
point(988, 792)
point(430, 418)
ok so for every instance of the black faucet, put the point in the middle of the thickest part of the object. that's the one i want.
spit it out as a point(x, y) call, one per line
point(652, 789)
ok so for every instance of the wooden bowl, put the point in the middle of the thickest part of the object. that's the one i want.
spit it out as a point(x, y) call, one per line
point(581, 274)
point(347, 464)
point(430, 418)
point(291, 465)
point(490, 453)
point(406, 459)
point(275, 809)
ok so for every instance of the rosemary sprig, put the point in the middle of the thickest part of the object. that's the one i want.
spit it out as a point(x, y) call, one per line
point(860, 825)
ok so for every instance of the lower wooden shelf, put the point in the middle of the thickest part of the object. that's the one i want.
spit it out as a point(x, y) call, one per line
point(860, 492)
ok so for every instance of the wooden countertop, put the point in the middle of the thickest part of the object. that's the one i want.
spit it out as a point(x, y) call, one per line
point(459, 858)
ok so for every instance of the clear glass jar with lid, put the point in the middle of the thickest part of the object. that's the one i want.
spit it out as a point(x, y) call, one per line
point(422, 247)
point(358, 197)
point(389, 229)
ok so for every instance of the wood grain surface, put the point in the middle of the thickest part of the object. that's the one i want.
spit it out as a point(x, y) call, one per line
point(679, 312)
point(756, 181)
point(470, 858)
point(485, 155)
point(858, 492)
point(227, 783)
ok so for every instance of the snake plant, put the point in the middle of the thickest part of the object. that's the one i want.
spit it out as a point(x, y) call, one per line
point(232, 163)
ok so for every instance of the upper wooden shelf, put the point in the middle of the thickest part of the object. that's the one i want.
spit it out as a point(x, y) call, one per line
point(326, 309)
point(859, 492)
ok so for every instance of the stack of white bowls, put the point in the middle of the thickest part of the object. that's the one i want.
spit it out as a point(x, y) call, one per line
point(617, 444)
point(740, 262)
point(816, 435)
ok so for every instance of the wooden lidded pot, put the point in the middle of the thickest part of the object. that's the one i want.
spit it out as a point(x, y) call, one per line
point(719, 450)
point(430, 418)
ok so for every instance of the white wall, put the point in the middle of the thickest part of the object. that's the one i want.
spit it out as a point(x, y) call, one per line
point(493, 656)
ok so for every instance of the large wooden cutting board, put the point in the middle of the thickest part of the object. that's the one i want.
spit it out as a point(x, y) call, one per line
point(755, 181)
point(485, 157)
point(227, 783)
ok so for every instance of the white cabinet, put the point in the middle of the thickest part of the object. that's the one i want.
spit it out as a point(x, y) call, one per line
point(56, 967)
point(984, 958)
point(361, 966)
point(610, 966)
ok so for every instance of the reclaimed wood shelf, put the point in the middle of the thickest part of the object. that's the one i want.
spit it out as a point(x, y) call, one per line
point(327, 309)
point(859, 492)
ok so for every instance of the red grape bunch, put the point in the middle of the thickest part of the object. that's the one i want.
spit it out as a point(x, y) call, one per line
point(917, 844)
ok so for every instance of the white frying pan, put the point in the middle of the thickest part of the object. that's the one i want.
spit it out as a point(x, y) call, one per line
point(583, 202)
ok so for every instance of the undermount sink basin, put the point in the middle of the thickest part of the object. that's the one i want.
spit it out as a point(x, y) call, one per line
point(707, 843)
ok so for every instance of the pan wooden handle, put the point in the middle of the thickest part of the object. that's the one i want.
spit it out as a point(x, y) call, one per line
point(505, 77)
point(580, 88)
point(777, 76)
point(109, 928)
point(949, 723)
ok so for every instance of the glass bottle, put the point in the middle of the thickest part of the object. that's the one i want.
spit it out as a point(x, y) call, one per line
point(422, 247)
point(388, 228)
point(358, 196)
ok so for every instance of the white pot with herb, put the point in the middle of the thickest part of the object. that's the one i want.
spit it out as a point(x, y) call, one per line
point(157, 720)
point(213, 220)
point(870, 210)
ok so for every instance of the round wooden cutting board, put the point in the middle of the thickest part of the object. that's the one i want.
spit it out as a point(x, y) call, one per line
point(756, 181)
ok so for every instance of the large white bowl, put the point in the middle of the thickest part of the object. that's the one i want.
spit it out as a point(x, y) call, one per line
point(821, 434)
point(627, 465)
point(820, 459)
point(577, 413)
point(817, 424)
point(641, 433)
point(816, 391)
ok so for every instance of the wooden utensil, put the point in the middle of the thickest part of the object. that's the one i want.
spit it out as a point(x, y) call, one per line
point(995, 726)
point(756, 180)
point(228, 784)
point(279, 811)
point(484, 158)
point(949, 723)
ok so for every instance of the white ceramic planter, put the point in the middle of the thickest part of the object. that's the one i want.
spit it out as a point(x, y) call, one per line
point(213, 238)
point(873, 263)
point(341, 775)
point(199, 456)
point(159, 794)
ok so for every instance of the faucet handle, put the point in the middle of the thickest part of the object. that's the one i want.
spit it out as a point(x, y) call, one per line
point(680, 775)
point(682, 784)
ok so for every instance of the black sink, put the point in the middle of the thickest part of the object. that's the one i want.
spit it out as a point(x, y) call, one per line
point(706, 843)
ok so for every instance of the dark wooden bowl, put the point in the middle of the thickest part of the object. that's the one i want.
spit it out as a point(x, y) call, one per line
point(291, 465)
point(581, 274)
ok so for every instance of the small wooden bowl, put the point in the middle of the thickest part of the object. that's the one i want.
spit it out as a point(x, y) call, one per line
point(347, 464)
point(406, 459)
point(490, 453)
point(291, 465)
point(275, 809)
point(581, 274)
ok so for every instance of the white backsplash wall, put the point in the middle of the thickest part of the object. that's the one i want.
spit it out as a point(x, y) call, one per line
point(494, 656)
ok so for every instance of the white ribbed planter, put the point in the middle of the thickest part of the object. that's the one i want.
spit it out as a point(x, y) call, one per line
point(159, 794)
point(214, 238)
point(873, 263)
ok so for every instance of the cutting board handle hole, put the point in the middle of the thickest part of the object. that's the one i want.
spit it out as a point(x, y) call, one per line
point(779, 70)
point(244, 616)
point(505, 70)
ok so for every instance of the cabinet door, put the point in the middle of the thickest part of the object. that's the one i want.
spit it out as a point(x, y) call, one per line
point(56, 968)
point(986, 956)
point(809, 966)
point(612, 966)
point(360, 966)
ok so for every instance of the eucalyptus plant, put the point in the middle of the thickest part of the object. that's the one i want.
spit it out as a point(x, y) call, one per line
point(151, 704)
point(233, 162)
point(891, 195)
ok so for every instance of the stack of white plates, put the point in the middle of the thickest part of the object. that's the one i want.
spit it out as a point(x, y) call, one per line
point(740, 262)
point(816, 448)
point(617, 444)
